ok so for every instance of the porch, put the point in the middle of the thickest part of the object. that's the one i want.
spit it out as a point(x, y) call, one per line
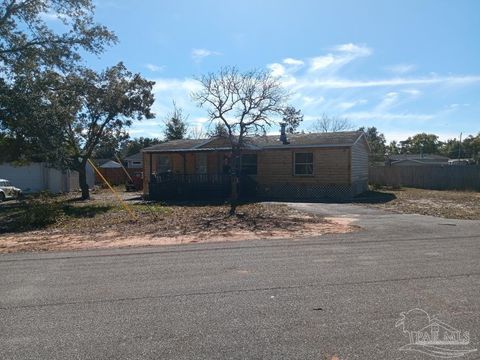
point(170, 186)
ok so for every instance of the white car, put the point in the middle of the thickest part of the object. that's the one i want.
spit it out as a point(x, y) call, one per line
point(8, 191)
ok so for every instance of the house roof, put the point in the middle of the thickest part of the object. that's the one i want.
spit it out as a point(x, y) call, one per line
point(100, 161)
point(418, 157)
point(110, 164)
point(135, 157)
point(419, 161)
point(345, 138)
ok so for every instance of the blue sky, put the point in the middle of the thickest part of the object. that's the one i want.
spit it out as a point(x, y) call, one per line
point(402, 66)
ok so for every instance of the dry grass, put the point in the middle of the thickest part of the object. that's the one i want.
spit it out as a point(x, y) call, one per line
point(60, 223)
point(446, 204)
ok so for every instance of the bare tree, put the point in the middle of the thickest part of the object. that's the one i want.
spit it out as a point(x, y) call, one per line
point(196, 132)
point(245, 102)
point(332, 124)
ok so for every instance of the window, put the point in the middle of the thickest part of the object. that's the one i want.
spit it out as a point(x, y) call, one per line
point(249, 164)
point(164, 165)
point(201, 163)
point(136, 162)
point(303, 164)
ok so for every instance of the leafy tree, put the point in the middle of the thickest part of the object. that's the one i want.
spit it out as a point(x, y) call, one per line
point(246, 103)
point(26, 41)
point(422, 144)
point(80, 111)
point(452, 148)
point(176, 124)
point(332, 124)
point(377, 142)
point(133, 146)
point(292, 118)
point(111, 145)
point(27, 115)
point(393, 148)
point(471, 146)
point(30, 55)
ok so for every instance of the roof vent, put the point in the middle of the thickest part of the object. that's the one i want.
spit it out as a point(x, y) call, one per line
point(283, 134)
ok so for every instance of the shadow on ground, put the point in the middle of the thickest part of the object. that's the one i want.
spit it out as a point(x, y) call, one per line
point(36, 214)
point(374, 197)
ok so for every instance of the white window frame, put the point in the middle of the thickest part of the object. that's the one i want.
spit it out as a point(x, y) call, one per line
point(303, 163)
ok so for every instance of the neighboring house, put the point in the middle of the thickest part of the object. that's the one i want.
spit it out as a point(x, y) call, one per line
point(416, 160)
point(110, 164)
point(135, 161)
point(35, 177)
point(302, 167)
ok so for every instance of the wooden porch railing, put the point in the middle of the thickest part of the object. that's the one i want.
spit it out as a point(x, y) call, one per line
point(197, 186)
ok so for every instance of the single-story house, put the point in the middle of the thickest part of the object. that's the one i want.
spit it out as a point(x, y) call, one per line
point(134, 161)
point(311, 166)
point(416, 160)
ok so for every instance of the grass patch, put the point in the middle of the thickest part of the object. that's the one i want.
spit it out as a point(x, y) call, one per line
point(43, 211)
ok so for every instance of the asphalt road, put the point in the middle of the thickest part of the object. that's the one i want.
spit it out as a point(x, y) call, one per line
point(337, 295)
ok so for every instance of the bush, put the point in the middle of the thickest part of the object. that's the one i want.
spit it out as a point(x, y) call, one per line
point(39, 213)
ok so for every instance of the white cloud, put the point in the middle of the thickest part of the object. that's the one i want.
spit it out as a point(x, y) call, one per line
point(401, 68)
point(276, 69)
point(155, 68)
point(310, 100)
point(199, 54)
point(187, 85)
point(376, 115)
point(359, 50)
point(294, 62)
point(389, 99)
point(346, 105)
point(412, 92)
point(336, 83)
point(341, 55)
point(321, 62)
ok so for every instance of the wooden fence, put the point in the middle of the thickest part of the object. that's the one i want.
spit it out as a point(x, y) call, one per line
point(115, 176)
point(427, 177)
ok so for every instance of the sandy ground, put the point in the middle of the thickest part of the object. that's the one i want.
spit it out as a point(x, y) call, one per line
point(447, 204)
point(102, 223)
point(57, 241)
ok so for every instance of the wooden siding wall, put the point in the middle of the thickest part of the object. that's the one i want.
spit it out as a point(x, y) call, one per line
point(274, 166)
point(330, 166)
point(360, 161)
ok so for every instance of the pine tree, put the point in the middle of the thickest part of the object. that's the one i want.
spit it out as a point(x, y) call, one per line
point(176, 124)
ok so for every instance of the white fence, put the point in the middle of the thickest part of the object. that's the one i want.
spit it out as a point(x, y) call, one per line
point(36, 177)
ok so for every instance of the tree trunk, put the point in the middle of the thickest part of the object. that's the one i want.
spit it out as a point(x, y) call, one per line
point(82, 179)
point(234, 195)
point(234, 183)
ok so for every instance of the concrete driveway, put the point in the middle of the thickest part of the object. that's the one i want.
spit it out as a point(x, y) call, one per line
point(332, 297)
point(377, 222)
